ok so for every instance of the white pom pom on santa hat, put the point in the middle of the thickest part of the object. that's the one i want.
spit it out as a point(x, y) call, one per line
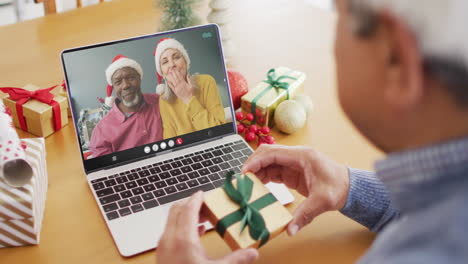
point(119, 62)
point(109, 100)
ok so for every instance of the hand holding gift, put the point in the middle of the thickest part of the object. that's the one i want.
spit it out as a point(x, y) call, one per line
point(253, 210)
point(324, 182)
point(180, 243)
point(244, 212)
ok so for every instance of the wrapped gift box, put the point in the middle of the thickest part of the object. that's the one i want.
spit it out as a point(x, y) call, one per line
point(22, 209)
point(38, 115)
point(282, 83)
point(60, 90)
point(219, 208)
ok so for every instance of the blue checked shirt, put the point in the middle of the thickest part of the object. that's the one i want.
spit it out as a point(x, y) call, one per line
point(417, 202)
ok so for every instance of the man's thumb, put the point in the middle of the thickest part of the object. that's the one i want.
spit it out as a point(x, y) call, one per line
point(303, 215)
point(241, 256)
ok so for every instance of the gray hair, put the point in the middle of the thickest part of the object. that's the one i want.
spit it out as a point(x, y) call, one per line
point(441, 63)
point(167, 94)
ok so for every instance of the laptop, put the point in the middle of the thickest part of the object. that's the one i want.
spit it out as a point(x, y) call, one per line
point(137, 169)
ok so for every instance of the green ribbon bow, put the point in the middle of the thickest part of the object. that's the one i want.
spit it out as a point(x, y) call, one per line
point(273, 83)
point(248, 214)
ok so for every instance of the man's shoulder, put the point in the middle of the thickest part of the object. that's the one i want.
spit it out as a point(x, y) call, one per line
point(414, 253)
point(454, 216)
point(440, 223)
point(435, 234)
point(446, 213)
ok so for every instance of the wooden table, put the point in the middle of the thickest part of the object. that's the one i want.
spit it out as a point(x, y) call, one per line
point(266, 33)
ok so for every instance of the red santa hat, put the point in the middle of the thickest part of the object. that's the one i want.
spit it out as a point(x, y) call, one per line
point(163, 45)
point(119, 62)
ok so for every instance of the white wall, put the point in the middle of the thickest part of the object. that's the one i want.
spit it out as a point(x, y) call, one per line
point(327, 4)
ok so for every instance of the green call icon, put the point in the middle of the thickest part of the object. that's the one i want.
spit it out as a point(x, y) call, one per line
point(207, 35)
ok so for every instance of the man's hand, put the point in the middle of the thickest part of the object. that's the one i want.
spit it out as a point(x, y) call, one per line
point(180, 242)
point(180, 85)
point(324, 182)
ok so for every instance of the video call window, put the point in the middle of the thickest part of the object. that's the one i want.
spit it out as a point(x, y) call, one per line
point(131, 93)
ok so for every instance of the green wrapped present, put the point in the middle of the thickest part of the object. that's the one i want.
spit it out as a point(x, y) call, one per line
point(281, 84)
point(244, 212)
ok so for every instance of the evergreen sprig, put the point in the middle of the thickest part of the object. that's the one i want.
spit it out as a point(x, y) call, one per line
point(177, 14)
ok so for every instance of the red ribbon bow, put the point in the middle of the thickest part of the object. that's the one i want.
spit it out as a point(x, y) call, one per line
point(21, 96)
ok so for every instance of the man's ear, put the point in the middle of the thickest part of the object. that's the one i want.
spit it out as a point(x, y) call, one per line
point(404, 84)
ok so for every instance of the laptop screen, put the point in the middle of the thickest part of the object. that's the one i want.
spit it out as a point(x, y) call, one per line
point(143, 96)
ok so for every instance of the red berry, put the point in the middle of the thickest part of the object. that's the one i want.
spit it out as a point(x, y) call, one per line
point(262, 120)
point(265, 130)
point(269, 139)
point(250, 116)
point(260, 143)
point(253, 129)
point(240, 128)
point(239, 116)
point(249, 137)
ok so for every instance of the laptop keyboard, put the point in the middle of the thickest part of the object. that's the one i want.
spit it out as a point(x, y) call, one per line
point(143, 188)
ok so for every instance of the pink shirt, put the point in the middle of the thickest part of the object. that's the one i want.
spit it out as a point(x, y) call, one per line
point(116, 132)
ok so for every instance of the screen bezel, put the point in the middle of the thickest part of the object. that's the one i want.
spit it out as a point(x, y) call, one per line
point(134, 154)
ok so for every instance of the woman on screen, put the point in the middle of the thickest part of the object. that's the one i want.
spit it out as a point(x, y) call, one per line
point(188, 103)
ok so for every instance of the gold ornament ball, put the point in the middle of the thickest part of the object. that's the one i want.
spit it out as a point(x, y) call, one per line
point(306, 102)
point(290, 116)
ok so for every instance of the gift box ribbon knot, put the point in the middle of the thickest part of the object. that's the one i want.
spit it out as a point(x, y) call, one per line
point(248, 213)
point(21, 96)
point(273, 82)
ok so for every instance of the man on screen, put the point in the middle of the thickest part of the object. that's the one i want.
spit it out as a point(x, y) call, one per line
point(134, 118)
